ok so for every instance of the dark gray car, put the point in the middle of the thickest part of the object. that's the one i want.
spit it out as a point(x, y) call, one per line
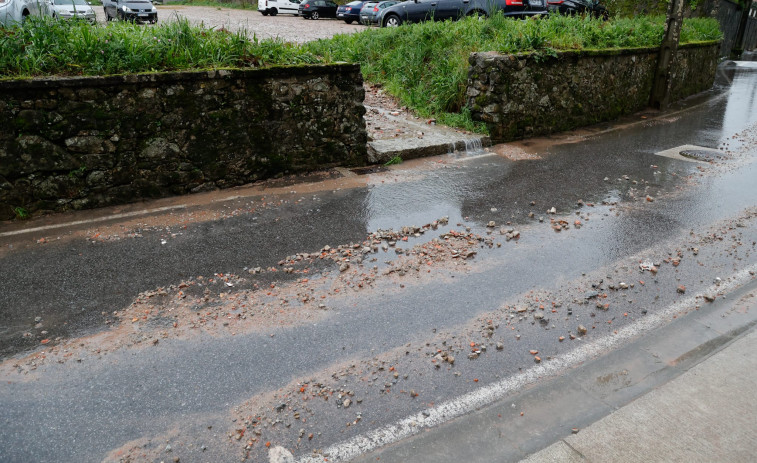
point(370, 13)
point(130, 10)
point(440, 10)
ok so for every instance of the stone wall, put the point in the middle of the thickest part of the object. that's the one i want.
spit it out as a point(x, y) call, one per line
point(76, 143)
point(519, 96)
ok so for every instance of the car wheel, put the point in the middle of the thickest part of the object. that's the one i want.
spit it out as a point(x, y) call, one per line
point(478, 14)
point(264, 12)
point(348, 21)
point(315, 15)
point(274, 12)
point(392, 21)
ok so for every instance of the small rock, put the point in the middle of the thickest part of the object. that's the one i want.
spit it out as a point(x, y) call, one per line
point(552, 210)
point(500, 346)
point(344, 266)
point(681, 289)
point(582, 330)
point(709, 298)
point(346, 403)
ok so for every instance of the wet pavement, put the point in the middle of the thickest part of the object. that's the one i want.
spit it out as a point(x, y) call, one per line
point(223, 323)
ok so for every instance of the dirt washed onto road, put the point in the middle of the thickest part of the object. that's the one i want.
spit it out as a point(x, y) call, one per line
point(339, 403)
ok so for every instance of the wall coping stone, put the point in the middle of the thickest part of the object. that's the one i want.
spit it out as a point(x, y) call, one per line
point(561, 54)
point(173, 76)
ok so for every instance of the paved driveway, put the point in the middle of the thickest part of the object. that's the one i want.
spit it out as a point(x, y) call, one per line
point(288, 27)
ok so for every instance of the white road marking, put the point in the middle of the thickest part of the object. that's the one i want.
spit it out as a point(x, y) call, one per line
point(99, 219)
point(487, 395)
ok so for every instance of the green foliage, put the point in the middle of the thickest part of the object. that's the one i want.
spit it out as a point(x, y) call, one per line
point(631, 8)
point(700, 30)
point(78, 173)
point(393, 161)
point(21, 213)
point(48, 47)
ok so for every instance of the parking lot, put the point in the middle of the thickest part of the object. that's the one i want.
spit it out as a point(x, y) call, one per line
point(288, 27)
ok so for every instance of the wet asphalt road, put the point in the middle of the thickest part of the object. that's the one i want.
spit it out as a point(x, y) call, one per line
point(173, 392)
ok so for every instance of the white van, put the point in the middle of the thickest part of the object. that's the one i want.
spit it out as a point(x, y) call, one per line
point(274, 7)
point(15, 11)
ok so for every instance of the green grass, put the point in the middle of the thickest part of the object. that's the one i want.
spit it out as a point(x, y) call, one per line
point(424, 65)
point(21, 213)
point(49, 47)
point(395, 160)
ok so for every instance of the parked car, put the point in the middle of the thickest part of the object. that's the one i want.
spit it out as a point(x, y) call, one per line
point(314, 9)
point(130, 10)
point(274, 7)
point(14, 12)
point(370, 13)
point(440, 10)
point(350, 12)
point(571, 7)
point(68, 9)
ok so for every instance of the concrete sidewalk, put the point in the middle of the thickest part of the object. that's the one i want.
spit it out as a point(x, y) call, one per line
point(708, 413)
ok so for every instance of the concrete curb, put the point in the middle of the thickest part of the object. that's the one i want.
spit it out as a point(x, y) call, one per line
point(436, 140)
point(543, 418)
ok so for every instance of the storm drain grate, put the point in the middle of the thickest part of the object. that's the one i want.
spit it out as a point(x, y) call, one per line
point(692, 153)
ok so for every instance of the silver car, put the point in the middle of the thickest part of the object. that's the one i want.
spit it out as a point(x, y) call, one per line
point(67, 9)
point(15, 12)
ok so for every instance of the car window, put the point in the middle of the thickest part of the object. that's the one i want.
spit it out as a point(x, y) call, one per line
point(354, 3)
point(331, 4)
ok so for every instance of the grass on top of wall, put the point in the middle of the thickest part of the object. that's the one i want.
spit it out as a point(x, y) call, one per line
point(45, 47)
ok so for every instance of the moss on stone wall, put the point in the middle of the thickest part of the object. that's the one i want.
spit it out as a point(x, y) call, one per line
point(86, 142)
point(518, 96)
